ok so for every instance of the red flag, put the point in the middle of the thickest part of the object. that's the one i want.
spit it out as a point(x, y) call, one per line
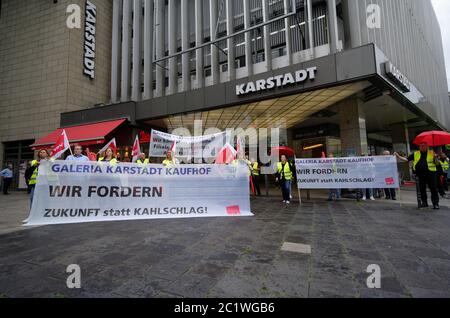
point(226, 155)
point(61, 145)
point(136, 151)
point(112, 144)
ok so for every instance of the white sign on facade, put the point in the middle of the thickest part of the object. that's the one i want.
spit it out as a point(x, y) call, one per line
point(276, 81)
point(89, 39)
point(397, 77)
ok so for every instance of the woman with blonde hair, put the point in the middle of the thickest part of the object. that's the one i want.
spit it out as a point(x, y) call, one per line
point(109, 156)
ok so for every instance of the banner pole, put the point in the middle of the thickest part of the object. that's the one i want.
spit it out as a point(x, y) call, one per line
point(298, 188)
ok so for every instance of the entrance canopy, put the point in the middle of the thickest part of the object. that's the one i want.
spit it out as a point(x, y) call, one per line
point(83, 135)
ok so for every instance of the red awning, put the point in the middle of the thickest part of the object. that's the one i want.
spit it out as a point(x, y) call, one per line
point(84, 135)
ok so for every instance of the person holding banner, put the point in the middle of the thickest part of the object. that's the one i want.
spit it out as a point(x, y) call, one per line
point(425, 168)
point(255, 175)
point(42, 156)
point(389, 192)
point(77, 155)
point(285, 174)
point(142, 160)
point(110, 157)
point(169, 161)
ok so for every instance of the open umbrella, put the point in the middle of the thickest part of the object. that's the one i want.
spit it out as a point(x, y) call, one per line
point(288, 152)
point(433, 138)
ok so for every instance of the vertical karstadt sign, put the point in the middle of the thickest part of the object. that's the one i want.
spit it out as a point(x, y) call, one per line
point(89, 39)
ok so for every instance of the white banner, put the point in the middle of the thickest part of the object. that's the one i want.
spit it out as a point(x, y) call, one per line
point(347, 173)
point(207, 146)
point(75, 192)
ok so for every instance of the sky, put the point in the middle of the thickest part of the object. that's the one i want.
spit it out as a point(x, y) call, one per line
point(442, 8)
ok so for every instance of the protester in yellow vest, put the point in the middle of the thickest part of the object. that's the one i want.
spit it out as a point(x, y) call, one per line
point(244, 161)
point(442, 170)
point(255, 175)
point(142, 160)
point(424, 166)
point(42, 156)
point(109, 157)
point(170, 160)
point(285, 175)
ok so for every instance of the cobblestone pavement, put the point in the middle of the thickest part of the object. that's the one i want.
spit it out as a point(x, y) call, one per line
point(233, 257)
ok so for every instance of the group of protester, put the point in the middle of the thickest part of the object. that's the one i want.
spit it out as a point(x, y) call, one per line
point(431, 170)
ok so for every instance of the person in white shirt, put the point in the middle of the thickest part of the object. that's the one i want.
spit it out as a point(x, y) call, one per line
point(77, 155)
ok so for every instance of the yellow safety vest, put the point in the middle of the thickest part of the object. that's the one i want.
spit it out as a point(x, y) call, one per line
point(168, 162)
point(430, 160)
point(145, 162)
point(444, 165)
point(287, 171)
point(113, 161)
point(243, 161)
point(33, 178)
point(255, 169)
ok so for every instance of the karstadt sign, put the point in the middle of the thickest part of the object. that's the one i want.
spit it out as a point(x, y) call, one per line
point(276, 81)
point(89, 39)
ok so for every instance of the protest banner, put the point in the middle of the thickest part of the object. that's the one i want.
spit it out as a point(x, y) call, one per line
point(207, 146)
point(347, 173)
point(75, 192)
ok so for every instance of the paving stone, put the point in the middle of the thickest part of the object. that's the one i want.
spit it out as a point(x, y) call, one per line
point(233, 257)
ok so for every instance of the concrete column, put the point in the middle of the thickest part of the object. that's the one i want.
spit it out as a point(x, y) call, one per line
point(248, 39)
point(185, 58)
point(137, 62)
point(230, 41)
point(198, 41)
point(353, 128)
point(266, 31)
point(126, 52)
point(287, 27)
point(310, 28)
point(148, 49)
point(332, 26)
point(400, 143)
point(172, 38)
point(160, 48)
point(115, 50)
point(352, 25)
point(214, 51)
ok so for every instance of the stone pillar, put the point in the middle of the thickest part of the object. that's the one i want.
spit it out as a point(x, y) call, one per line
point(353, 128)
point(400, 143)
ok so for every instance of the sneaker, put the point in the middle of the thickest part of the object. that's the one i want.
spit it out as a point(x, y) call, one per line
point(436, 207)
point(372, 198)
point(364, 198)
point(424, 205)
point(288, 202)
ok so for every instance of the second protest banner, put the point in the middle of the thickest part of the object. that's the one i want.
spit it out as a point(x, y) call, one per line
point(347, 173)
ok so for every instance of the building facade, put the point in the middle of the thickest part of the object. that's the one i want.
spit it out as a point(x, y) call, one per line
point(338, 76)
point(41, 71)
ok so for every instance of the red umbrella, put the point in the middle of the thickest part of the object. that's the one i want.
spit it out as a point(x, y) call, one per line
point(288, 152)
point(433, 138)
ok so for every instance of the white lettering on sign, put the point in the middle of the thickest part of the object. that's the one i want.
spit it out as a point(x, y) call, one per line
point(89, 39)
point(276, 81)
point(397, 77)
